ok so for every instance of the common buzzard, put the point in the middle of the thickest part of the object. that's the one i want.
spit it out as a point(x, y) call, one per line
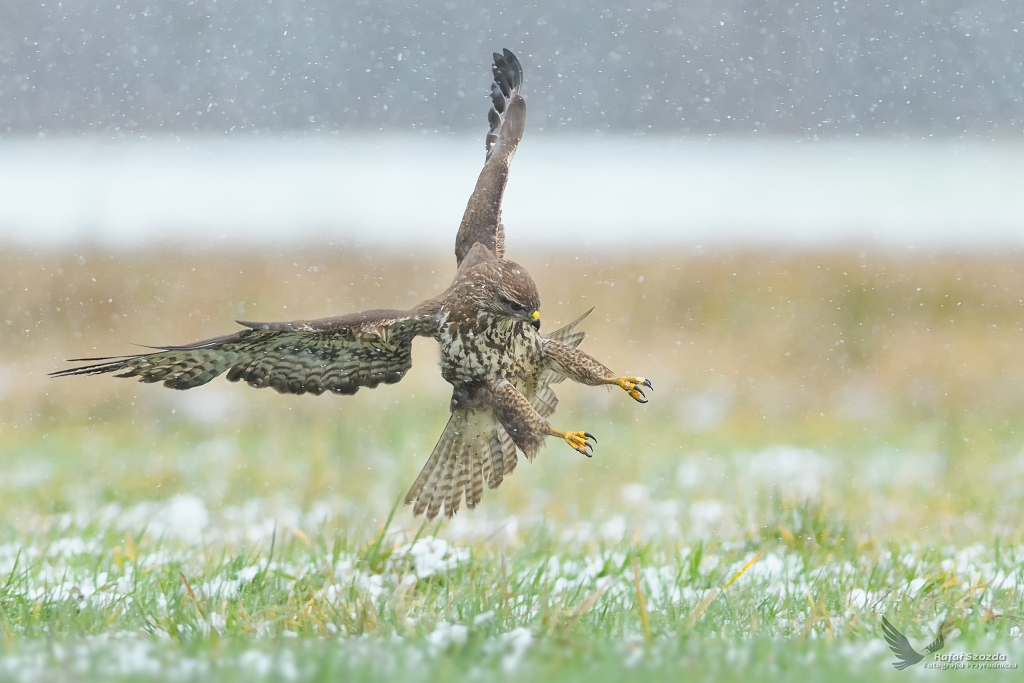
point(487, 324)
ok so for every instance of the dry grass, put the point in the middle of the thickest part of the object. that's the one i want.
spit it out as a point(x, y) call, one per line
point(787, 337)
point(926, 336)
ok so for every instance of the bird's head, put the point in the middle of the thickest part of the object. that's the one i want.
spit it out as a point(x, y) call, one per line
point(516, 294)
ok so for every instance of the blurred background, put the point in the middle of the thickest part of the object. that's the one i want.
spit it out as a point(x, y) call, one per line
point(291, 121)
point(802, 221)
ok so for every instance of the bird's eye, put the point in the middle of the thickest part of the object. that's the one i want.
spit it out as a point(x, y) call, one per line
point(516, 308)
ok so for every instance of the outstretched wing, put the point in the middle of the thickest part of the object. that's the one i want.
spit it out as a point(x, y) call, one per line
point(900, 646)
point(337, 354)
point(482, 220)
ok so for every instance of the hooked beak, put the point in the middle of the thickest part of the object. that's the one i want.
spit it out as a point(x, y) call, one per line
point(535, 320)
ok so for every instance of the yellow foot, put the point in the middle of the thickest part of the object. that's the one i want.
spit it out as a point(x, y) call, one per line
point(580, 441)
point(632, 386)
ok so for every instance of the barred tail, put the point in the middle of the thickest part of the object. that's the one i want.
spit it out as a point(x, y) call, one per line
point(473, 448)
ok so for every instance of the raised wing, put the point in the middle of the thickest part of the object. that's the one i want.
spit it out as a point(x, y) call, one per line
point(482, 220)
point(900, 646)
point(337, 354)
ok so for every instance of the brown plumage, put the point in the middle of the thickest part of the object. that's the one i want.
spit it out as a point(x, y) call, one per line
point(487, 324)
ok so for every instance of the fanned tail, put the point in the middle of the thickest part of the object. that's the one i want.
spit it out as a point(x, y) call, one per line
point(473, 448)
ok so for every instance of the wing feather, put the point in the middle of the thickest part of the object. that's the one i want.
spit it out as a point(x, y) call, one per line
point(337, 355)
point(507, 119)
point(544, 400)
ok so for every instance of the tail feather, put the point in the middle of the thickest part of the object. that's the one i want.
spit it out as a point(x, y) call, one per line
point(472, 449)
point(444, 485)
point(508, 453)
point(494, 462)
point(422, 490)
point(457, 484)
point(476, 483)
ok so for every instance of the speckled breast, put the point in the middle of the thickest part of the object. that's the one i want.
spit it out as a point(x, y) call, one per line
point(488, 348)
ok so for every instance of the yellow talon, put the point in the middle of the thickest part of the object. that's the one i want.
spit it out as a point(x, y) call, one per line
point(580, 441)
point(632, 385)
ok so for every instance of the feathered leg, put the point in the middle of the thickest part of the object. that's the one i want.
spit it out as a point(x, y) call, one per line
point(526, 426)
point(578, 366)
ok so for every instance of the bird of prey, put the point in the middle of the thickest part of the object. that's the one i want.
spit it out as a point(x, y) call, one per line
point(901, 647)
point(487, 323)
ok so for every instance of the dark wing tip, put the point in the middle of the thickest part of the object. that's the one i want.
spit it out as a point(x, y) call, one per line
point(97, 359)
point(507, 84)
point(104, 365)
point(508, 72)
point(514, 67)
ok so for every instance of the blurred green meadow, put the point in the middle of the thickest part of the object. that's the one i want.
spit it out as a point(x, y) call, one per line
point(833, 436)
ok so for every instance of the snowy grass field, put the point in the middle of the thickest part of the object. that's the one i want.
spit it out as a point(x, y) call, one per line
point(832, 437)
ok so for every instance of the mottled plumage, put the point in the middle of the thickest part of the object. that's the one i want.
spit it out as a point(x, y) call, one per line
point(487, 324)
point(337, 354)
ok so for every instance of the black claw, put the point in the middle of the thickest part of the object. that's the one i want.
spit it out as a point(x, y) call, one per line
point(639, 400)
point(639, 391)
point(590, 436)
point(647, 383)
